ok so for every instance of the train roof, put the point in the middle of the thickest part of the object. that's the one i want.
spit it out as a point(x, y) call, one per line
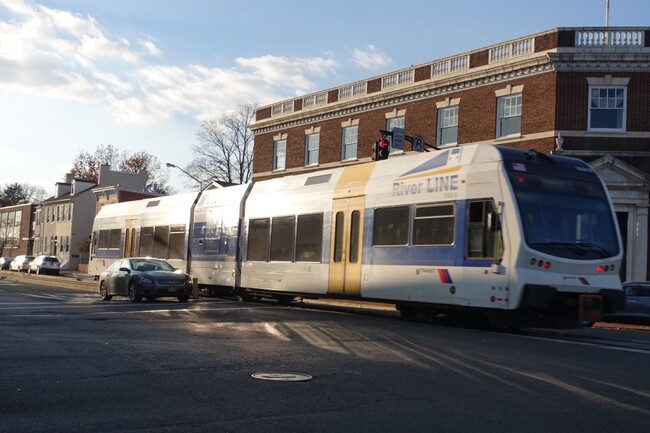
point(157, 204)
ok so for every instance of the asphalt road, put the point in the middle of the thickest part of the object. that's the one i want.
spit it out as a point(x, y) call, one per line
point(72, 363)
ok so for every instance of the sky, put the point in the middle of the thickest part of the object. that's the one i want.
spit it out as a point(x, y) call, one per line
point(142, 75)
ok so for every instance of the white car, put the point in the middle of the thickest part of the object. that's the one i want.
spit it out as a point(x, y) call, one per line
point(44, 265)
point(20, 263)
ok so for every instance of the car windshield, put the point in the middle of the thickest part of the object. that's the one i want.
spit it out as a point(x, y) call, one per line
point(50, 259)
point(146, 265)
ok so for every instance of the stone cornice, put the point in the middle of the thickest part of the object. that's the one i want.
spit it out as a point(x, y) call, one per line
point(601, 62)
point(426, 90)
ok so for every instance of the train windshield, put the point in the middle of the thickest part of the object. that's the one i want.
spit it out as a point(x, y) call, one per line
point(565, 216)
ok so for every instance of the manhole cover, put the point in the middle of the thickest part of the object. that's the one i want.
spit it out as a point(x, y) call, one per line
point(282, 377)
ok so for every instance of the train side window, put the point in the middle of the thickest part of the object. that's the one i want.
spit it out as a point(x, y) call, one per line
point(258, 239)
point(176, 242)
point(93, 242)
point(433, 224)
point(355, 224)
point(116, 238)
point(160, 241)
point(283, 232)
point(338, 237)
point(104, 239)
point(146, 241)
point(309, 238)
point(391, 226)
point(480, 238)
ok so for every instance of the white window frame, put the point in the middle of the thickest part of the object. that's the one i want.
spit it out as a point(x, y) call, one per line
point(280, 154)
point(349, 142)
point(607, 102)
point(447, 120)
point(391, 123)
point(509, 107)
point(312, 144)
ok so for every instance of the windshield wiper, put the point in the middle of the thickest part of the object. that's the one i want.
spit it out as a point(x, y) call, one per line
point(571, 245)
point(579, 247)
point(603, 252)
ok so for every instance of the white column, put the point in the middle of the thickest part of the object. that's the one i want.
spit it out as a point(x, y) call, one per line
point(638, 253)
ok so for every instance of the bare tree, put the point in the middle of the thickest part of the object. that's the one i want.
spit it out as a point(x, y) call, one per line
point(225, 149)
point(86, 166)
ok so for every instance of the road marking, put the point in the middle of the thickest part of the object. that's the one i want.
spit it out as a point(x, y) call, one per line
point(584, 343)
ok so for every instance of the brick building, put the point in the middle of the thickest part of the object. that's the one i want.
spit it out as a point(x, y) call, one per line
point(581, 92)
point(16, 230)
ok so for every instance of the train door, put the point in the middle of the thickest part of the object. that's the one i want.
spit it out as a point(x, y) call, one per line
point(346, 246)
point(130, 231)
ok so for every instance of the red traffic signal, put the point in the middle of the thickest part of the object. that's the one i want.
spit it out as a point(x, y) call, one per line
point(380, 149)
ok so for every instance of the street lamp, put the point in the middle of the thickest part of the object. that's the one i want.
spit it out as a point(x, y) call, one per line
point(169, 164)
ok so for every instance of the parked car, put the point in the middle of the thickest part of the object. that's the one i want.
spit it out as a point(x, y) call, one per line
point(139, 277)
point(20, 263)
point(44, 265)
point(637, 304)
point(5, 262)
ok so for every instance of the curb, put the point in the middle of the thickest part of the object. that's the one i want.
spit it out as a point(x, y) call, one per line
point(68, 282)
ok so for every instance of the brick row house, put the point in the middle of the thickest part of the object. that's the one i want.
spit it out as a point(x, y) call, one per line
point(16, 230)
point(581, 92)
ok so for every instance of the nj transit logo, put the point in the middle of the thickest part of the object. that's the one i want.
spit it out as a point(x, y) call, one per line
point(435, 175)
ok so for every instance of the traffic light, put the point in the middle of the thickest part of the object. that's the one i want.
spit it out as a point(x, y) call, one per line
point(380, 149)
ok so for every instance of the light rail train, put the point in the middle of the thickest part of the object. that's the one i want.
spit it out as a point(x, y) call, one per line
point(509, 237)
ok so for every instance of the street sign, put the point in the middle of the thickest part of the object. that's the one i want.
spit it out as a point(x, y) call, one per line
point(398, 138)
point(418, 143)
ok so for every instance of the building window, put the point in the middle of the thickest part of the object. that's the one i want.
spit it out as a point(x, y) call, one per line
point(607, 108)
point(311, 148)
point(394, 122)
point(349, 140)
point(509, 115)
point(279, 154)
point(448, 126)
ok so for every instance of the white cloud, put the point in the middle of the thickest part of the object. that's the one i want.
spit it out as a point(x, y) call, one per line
point(150, 48)
point(59, 54)
point(370, 58)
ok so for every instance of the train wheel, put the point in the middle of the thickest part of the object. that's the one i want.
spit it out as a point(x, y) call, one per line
point(284, 299)
point(242, 296)
point(408, 312)
point(468, 319)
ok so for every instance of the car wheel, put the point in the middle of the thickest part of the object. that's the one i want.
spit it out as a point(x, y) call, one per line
point(183, 298)
point(103, 292)
point(151, 298)
point(133, 293)
point(587, 324)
